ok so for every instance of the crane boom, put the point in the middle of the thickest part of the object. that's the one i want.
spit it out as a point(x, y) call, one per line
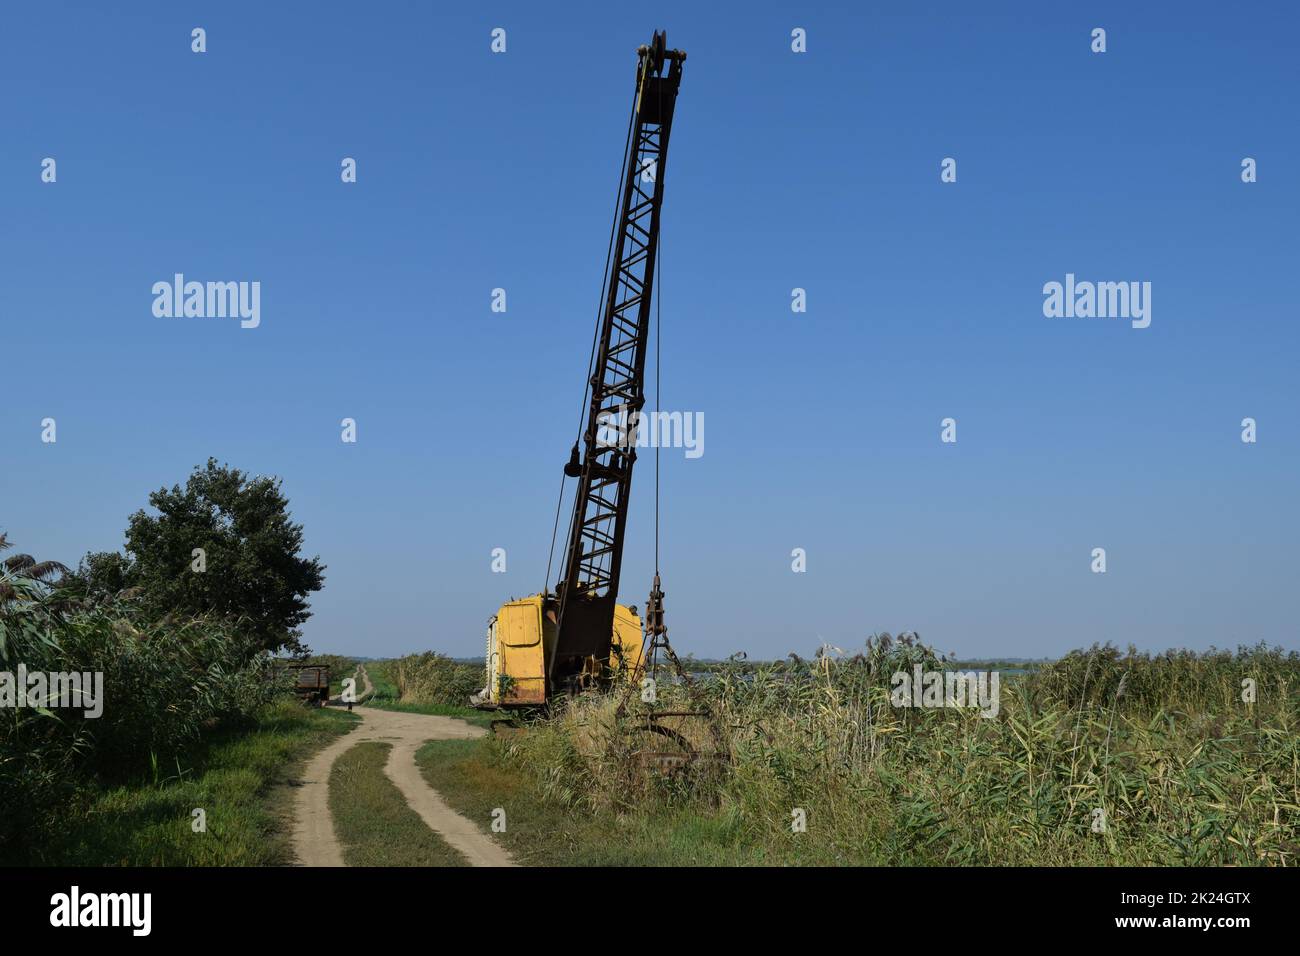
point(578, 636)
point(593, 557)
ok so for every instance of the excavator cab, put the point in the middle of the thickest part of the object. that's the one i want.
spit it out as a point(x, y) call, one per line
point(521, 641)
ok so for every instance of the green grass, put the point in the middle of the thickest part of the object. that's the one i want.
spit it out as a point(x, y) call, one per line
point(1163, 750)
point(239, 777)
point(478, 718)
point(387, 698)
point(475, 779)
point(374, 824)
point(381, 678)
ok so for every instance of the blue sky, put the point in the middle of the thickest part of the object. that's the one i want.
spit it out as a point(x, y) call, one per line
point(817, 170)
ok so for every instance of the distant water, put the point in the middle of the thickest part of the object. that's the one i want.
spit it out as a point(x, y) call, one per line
point(666, 670)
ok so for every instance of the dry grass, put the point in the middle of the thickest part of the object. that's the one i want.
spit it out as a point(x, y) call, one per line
point(1161, 750)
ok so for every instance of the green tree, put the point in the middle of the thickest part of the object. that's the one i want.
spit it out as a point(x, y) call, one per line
point(225, 545)
point(102, 575)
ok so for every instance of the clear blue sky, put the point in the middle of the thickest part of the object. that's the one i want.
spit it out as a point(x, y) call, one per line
point(818, 171)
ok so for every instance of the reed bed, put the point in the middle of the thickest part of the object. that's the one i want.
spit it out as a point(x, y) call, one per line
point(1105, 757)
point(164, 682)
point(432, 678)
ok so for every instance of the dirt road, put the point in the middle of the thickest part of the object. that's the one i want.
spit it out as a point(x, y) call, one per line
point(313, 834)
point(367, 688)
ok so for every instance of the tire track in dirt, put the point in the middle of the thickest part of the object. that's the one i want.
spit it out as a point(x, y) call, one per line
point(367, 689)
point(314, 839)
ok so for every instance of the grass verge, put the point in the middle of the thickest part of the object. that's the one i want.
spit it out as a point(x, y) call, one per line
point(387, 698)
point(1103, 758)
point(239, 779)
point(374, 824)
point(473, 777)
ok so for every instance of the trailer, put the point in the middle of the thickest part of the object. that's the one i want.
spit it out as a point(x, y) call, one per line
point(312, 683)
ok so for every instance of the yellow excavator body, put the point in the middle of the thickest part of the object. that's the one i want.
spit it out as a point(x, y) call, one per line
point(521, 639)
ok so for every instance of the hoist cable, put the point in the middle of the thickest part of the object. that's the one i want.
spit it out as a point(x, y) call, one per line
point(659, 300)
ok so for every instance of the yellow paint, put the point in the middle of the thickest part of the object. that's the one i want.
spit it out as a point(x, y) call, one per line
point(627, 637)
point(521, 638)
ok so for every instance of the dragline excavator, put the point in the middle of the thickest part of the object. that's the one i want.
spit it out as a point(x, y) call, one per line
point(578, 636)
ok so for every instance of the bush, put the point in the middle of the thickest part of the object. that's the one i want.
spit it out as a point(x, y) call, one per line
point(162, 683)
point(432, 678)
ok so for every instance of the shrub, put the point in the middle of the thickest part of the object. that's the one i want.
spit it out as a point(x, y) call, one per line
point(162, 683)
point(432, 678)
